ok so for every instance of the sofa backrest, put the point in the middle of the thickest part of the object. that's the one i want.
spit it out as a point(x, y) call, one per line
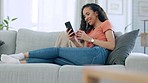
point(9, 38)
point(28, 40)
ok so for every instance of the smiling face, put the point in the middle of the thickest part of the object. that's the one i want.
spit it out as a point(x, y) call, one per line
point(90, 16)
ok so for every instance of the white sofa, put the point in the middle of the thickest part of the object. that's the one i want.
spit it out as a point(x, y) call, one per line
point(25, 40)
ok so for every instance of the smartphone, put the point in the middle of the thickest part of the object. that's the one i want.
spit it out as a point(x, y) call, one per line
point(68, 26)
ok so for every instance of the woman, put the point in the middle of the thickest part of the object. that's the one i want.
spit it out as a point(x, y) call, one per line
point(94, 40)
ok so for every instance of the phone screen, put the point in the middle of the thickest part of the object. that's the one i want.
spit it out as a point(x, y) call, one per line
point(68, 25)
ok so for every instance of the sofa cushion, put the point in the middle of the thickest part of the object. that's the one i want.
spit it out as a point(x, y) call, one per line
point(29, 73)
point(9, 37)
point(70, 74)
point(124, 46)
point(31, 40)
point(74, 74)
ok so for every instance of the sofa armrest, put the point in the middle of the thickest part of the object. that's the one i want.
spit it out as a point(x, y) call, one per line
point(137, 62)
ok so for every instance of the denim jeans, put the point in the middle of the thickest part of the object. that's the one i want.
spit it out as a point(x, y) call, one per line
point(72, 56)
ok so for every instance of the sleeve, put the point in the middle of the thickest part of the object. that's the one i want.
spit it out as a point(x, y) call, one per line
point(107, 26)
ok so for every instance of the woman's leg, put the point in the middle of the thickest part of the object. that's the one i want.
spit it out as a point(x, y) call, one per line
point(78, 56)
point(36, 60)
point(62, 61)
point(84, 56)
point(41, 55)
point(46, 53)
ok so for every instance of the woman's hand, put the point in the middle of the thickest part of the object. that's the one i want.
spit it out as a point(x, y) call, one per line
point(71, 35)
point(81, 35)
point(73, 38)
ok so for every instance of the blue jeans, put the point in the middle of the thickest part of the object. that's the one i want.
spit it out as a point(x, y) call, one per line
point(69, 56)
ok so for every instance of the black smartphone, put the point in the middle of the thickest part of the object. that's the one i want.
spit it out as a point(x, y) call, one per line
point(68, 26)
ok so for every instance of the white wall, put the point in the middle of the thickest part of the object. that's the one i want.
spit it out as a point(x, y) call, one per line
point(0, 11)
point(138, 23)
point(1, 15)
point(130, 15)
point(79, 5)
point(119, 21)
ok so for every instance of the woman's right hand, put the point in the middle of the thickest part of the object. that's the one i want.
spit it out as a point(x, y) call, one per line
point(70, 35)
point(73, 38)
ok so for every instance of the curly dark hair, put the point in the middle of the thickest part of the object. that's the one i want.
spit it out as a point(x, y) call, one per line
point(101, 16)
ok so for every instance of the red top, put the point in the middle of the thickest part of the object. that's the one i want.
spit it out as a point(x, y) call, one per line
point(99, 33)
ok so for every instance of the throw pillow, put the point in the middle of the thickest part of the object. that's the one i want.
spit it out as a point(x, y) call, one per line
point(124, 45)
point(1, 42)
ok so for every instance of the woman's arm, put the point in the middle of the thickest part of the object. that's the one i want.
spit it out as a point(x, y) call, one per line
point(110, 43)
point(77, 43)
point(74, 39)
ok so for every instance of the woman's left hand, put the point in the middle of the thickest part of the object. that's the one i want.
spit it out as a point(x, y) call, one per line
point(82, 35)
